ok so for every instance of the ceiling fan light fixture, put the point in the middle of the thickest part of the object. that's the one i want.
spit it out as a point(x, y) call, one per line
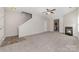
point(49, 11)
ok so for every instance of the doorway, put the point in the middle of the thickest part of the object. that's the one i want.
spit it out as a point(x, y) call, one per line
point(56, 25)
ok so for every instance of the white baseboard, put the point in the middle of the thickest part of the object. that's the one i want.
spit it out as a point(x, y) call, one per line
point(33, 34)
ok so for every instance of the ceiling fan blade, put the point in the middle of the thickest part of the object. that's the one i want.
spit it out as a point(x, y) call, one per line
point(53, 9)
point(52, 12)
point(44, 13)
point(48, 10)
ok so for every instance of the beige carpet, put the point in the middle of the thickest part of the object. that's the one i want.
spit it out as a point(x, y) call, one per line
point(45, 42)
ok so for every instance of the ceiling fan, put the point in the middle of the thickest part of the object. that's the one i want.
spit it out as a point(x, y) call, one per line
point(49, 11)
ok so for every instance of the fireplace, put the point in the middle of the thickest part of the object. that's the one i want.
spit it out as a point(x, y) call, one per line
point(69, 31)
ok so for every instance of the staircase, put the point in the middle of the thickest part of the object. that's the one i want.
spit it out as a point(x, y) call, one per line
point(13, 39)
point(33, 26)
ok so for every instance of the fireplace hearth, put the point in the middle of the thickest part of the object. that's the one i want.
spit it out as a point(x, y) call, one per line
point(69, 31)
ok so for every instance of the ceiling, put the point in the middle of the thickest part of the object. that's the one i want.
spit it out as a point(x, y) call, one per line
point(60, 11)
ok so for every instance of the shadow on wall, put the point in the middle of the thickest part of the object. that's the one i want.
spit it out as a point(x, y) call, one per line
point(27, 16)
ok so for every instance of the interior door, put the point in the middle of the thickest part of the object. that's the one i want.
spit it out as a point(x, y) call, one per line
point(56, 25)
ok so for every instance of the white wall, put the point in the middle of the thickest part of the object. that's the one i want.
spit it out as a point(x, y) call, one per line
point(77, 21)
point(70, 19)
point(2, 25)
point(51, 23)
point(33, 26)
point(13, 21)
point(61, 24)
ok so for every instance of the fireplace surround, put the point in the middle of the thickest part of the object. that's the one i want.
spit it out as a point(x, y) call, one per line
point(69, 31)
